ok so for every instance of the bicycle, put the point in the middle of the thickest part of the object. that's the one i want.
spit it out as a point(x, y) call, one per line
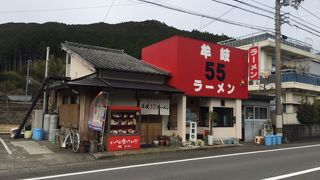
point(72, 139)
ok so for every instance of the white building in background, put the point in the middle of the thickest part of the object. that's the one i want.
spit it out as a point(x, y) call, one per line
point(300, 79)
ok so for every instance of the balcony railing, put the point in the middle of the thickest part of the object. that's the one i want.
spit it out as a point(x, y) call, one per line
point(294, 77)
point(253, 38)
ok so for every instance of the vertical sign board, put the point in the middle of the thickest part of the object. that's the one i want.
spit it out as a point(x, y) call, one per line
point(193, 131)
point(254, 63)
point(200, 68)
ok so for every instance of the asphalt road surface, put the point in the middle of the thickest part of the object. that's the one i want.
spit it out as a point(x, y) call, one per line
point(262, 164)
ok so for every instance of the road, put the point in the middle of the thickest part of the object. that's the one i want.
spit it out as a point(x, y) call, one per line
point(228, 164)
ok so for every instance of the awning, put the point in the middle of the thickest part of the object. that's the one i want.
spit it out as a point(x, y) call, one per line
point(122, 84)
point(92, 82)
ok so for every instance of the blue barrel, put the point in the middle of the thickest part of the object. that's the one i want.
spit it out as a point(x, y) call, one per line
point(274, 140)
point(279, 139)
point(267, 140)
point(37, 134)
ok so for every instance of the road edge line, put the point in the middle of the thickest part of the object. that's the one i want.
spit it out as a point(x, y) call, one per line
point(293, 174)
point(5, 146)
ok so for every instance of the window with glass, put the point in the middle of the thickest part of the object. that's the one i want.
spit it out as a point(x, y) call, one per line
point(249, 113)
point(261, 112)
point(225, 117)
point(70, 99)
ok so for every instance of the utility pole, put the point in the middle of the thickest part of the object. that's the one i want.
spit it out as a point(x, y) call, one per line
point(45, 76)
point(295, 4)
point(279, 120)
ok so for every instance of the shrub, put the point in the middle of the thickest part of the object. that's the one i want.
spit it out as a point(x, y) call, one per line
point(308, 113)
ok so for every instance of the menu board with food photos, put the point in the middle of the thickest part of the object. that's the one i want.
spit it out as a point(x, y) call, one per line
point(123, 122)
point(123, 128)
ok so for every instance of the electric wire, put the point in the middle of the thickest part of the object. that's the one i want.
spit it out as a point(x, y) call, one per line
point(284, 13)
point(209, 17)
point(219, 17)
point(310, 12)
point(303, 29)
point(305, 25)
point(307, 28)
point(262, 4)
point(64, 9)
point(253, 6)
point(228, 4)
point(108, 11)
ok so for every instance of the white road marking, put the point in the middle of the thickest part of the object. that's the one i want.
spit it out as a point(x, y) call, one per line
point(171, 162)
point(5, 146)
point(293, 174)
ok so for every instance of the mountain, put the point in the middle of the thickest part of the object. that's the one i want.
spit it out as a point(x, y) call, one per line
point(22, 41)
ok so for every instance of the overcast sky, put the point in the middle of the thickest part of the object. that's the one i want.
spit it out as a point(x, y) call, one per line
point(116, 11)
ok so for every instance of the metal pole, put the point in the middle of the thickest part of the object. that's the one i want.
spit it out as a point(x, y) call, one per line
point(46, 75)
point(27, 78)
point(279, 122)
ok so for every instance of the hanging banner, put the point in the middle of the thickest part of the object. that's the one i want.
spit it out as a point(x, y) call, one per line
point(254, 63)
point(98, 112)
point(155, 106)
point(164, 106)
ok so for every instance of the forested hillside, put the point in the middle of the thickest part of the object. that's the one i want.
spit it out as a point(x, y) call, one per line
point(20, 42)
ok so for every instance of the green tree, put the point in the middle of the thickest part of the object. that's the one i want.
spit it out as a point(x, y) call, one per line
point(307, 113)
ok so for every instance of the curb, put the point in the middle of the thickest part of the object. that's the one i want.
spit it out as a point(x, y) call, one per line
point(108, 155)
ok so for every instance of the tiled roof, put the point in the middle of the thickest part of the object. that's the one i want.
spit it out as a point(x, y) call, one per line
point(111, 59)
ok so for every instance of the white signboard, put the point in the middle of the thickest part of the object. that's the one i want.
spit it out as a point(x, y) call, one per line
point(193, 131)
point(155, 106)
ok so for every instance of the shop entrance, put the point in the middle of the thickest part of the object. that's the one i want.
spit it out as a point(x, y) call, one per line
point(254, 118)
point(150, 128)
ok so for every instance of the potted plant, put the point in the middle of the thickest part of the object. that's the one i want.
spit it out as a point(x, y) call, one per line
point(213, 116)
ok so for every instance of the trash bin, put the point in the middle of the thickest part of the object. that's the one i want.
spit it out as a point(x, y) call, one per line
point(279, 139)
point(37, 134)
point(267, 140)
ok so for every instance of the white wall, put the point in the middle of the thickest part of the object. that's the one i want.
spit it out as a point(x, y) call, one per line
point(78, 67)
point(165, 130)
point(219, 132)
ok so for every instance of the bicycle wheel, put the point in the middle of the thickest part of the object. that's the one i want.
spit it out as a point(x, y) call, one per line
point(76, 142)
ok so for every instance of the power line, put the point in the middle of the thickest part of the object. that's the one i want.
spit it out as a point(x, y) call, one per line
point(64, 9)
point(209, 17)
point(310, 12)
point(308, 27)
point(218, 17)
point(305, 25)
point(299, 27)
point(262, 4)
point(253, 6)
point(108, 11)
point(243, 8)
point(281, 11)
